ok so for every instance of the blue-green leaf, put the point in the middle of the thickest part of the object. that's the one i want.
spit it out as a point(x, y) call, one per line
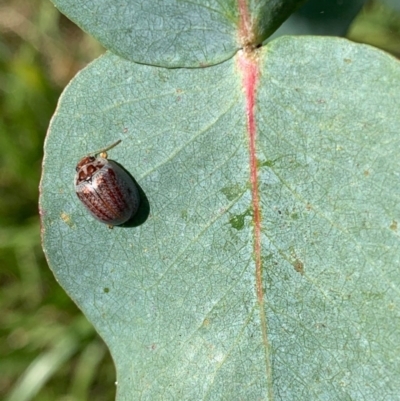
point(175, 295)
point(178, 33)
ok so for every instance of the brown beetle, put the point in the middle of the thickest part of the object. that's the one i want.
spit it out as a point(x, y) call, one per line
point(106, 189)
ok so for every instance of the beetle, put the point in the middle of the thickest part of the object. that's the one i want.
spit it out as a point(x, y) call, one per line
point(106, 190)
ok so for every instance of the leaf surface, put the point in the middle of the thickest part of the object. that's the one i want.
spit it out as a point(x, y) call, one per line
point(177, 33)
point(176, 294)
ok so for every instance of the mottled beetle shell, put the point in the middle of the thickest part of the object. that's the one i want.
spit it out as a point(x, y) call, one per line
point(106, 190)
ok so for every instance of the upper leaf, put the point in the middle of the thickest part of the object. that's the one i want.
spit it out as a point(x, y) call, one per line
point(178, 33)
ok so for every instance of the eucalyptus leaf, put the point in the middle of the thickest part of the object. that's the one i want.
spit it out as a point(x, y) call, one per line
point(177, 33)
point(174, 294)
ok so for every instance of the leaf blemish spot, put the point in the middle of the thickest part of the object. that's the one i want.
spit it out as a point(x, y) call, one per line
point(237, 221)
point(298, 266)
point(66, 219)
point(232, 192)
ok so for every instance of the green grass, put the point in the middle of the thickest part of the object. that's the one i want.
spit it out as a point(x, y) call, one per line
point(48, 350)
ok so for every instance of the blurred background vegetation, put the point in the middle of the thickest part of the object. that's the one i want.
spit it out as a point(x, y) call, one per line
point(48, 350)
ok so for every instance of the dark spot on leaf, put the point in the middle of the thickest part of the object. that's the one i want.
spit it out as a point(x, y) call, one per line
point(106, 290)
point(237, 221)
point(184, 214)
point(366, 173)
point(232, 192)
point(267, 163)
point(296, 262)
point(298, 266)
point(347, 60)
point(393, 226)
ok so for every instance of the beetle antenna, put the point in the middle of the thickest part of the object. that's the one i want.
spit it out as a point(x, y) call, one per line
point(97, 152)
